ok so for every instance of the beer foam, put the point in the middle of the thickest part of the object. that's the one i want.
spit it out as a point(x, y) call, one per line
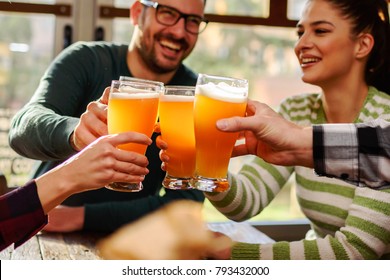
point(176, 98)
point(223, 91)
point(127, 92)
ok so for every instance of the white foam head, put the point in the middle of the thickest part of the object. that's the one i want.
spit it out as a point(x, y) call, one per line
point(177, 98)
point(128, 92)
point(223, 91)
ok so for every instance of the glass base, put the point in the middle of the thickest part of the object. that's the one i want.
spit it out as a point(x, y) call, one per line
point(125, 187)
point(177, 183)
point(214, 185)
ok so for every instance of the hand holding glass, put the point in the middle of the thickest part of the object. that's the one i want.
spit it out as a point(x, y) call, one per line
point(216, 98)
point(132, 106)
point(177, 129)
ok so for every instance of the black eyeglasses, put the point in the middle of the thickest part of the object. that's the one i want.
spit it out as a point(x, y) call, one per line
point(170, 16)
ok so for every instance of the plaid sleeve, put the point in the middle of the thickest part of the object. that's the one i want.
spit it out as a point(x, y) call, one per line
point(356, 153)
point(21, 215)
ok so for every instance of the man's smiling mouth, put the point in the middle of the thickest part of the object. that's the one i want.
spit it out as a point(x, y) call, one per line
point(171, 45)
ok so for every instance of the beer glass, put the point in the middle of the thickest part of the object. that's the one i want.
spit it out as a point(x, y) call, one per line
point(132, 106)
point(177, 129)
point(215, 98)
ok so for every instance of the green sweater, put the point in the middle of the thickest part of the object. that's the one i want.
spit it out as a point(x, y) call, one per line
point(41, 130)
point(349, 222)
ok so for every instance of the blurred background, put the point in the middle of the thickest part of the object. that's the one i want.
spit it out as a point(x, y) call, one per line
point(250, 39)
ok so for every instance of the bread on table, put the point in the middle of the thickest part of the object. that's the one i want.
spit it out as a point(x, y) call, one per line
point(176, 231)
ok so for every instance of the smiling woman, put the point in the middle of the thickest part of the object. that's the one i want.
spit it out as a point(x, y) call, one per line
point(338, 211)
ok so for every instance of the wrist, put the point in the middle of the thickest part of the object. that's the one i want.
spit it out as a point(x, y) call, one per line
point(51, 191)
point(304, 152)
point(78, 214)
point(245, 251)
point(72, 142)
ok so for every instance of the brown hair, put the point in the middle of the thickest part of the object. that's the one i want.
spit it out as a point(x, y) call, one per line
point(371, 16)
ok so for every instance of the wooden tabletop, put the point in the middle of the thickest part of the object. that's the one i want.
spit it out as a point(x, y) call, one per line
point(56, 246)
point(82, 245)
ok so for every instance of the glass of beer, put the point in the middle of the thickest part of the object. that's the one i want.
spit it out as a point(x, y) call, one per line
point(216, 98)
point(132, 106)
point(177, 129)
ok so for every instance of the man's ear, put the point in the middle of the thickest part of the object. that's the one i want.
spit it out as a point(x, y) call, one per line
point(364, 45)
point(135, 12)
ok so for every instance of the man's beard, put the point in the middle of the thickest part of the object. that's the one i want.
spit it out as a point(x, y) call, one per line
point(150, 58)
point(153, 63)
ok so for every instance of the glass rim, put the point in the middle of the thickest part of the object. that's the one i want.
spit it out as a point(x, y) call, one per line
point(140, 80)
point(213, 76)
point(176, 89)
point(137, 85)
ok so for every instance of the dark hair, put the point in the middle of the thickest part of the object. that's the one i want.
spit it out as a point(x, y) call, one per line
point(371, 16)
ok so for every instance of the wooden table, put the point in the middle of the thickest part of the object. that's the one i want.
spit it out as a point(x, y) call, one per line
point(56, 246)
point(82, 245)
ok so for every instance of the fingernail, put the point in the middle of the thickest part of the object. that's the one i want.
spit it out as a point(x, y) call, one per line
point(221, 124)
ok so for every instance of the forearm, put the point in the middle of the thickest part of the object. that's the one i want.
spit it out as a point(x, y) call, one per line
point(52, 191)
point(42, 128)
point(301, 153)
point(41, 134)
point(366, 235)
point(22, 215)
point(251, 190)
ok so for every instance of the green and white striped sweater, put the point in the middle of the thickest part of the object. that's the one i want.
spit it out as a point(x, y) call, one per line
point(350, 222)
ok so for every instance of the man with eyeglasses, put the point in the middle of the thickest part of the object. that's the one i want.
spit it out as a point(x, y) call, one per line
point(169, 16)
point(68, 109)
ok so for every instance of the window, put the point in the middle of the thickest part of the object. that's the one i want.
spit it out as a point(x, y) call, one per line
point(26, 48)
point(254, 8)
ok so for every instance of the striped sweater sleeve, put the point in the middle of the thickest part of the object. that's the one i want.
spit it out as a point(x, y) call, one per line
point(366, 235)
point(251, 190)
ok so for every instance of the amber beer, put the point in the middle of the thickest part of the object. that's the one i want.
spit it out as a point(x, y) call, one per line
point(132, 112)
point(222, 98)
point(177, 129)
point(132, 106)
